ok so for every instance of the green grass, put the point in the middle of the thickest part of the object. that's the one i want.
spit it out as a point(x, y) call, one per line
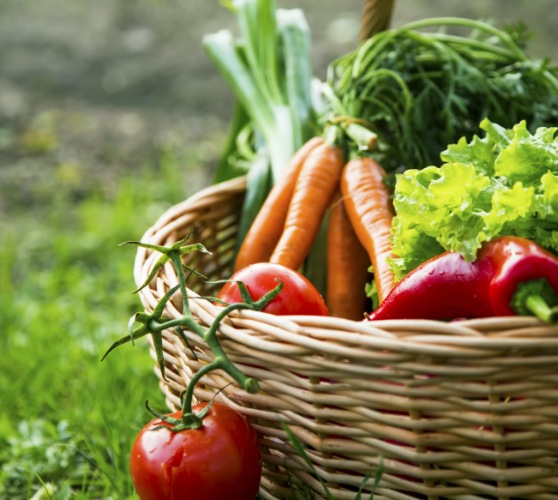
point(68, 421)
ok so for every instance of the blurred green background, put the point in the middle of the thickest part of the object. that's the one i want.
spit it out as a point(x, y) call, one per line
point(97, 87)
point(110, 113)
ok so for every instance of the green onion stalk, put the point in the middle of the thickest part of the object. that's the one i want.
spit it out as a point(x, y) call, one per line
point(268, 68)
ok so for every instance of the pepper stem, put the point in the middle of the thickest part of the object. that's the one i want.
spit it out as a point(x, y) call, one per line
point(540, 308)
point(536, 297)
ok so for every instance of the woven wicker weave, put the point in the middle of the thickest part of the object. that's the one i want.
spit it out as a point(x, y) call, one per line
point(463, 410)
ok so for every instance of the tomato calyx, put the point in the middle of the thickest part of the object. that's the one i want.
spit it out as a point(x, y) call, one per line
point(249, 284)
point(187, 421)
point(246, 296)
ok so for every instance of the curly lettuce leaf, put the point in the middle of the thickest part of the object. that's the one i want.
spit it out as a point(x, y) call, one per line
point(479, 152)
point(527, 157)
point(503, 184)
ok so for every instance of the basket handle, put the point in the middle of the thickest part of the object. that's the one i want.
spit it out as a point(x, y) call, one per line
point(376, 16)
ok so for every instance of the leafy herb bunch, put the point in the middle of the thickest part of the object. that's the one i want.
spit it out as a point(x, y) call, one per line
point(426, 84)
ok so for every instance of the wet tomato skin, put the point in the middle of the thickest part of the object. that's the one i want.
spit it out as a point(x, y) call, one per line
point(219, 460)
point(298, 296)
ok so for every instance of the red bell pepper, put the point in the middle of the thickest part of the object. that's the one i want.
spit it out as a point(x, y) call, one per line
point(511, 275)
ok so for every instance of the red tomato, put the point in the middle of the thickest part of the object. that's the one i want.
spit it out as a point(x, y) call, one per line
point(298, 296)
point(219, 460)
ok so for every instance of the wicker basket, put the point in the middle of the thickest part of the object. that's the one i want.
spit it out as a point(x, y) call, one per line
point(463, 410)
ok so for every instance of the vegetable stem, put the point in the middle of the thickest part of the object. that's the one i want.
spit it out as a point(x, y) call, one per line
point(474, 25)
point(155, 324)
point(540, 308)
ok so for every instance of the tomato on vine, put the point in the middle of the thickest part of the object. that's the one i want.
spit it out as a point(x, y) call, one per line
point(297, 295)
point(204, 451)
point(219, 459)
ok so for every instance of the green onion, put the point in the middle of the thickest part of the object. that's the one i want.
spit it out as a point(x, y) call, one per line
point(268, 69)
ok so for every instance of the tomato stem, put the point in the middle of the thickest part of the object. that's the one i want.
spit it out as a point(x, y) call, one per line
point(189, 393)
point(177, 262)
point(221, 360)
point(155, 324)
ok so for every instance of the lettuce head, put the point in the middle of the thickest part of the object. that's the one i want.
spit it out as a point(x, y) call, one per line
point(505, 183)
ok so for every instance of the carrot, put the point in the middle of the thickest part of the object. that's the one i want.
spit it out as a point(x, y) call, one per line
point(265, 231)
point(347, 266)
point(369, 206)
point(316, 185)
